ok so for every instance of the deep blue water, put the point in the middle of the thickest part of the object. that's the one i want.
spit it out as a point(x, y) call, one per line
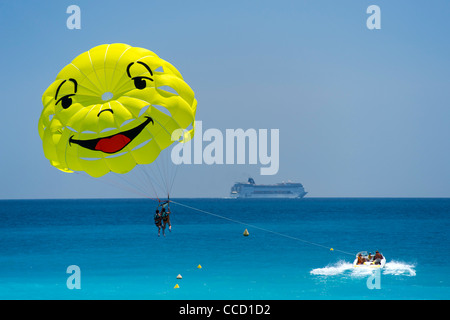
point(115, 245)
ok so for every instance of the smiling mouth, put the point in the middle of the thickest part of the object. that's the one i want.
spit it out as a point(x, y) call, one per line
point(113, 143)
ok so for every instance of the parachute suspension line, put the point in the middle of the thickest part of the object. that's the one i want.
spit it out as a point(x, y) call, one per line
point(173, 179)
point(149, 179)
point(129, 186)
point(169, 172)
point(165, 172)
point(262, 229)
point(116, 184)
point(156, 177)
point(154, 181)
point(162, 175)
point(132, 184)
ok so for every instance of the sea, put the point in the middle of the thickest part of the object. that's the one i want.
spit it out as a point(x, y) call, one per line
point(295, 249)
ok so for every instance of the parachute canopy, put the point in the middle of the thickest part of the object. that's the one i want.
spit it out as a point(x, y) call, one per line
point(113, 107)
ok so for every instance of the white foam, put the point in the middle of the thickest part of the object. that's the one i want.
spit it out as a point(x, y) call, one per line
point(398, 268)
point(395, 268)
point(331, 270)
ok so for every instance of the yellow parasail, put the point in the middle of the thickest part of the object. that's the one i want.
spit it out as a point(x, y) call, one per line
point(113, 107)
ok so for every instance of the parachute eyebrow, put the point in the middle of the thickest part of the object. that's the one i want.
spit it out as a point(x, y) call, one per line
point(75, 83)
point(59, 87)
point(57, 90)
point(128, 69)
point(144, 64)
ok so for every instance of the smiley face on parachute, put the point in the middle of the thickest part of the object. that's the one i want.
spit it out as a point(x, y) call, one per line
point(113, 107)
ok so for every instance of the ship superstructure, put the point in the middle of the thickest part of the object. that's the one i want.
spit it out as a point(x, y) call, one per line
point(250, 189)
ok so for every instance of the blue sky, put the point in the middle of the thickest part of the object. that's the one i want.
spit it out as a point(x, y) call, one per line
point(361, 113)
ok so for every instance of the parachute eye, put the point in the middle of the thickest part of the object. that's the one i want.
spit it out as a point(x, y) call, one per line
point(66, 101)
point(140, 83)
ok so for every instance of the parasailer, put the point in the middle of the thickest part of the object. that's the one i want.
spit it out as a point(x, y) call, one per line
point(158, 217)
point(112, 108)
point(163, 216)
point(166, 218)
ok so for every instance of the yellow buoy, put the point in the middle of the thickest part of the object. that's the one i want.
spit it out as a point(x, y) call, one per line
point(176, 286)
point(246, 233)
point(199, 267)
point(331, 249)
point(179, 276)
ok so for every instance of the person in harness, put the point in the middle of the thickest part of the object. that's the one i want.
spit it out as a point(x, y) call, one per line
point(158, 221)
point(164, 216)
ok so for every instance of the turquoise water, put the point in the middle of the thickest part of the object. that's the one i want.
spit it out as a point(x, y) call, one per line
point(120, 256)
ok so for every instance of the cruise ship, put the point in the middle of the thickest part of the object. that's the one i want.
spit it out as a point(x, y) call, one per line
point(251, 190)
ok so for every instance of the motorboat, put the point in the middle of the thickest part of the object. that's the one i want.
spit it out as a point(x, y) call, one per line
point(369, 261)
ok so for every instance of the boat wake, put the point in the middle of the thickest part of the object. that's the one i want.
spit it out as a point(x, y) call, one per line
point(340, 267)
point(396, 268)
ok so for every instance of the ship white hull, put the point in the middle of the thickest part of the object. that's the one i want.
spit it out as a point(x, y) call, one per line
point(251, 190)
point(267, 196)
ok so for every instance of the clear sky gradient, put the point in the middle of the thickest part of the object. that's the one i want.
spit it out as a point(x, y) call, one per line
point(361, 113)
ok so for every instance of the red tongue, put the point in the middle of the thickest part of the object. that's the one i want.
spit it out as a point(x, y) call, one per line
point(113, 144)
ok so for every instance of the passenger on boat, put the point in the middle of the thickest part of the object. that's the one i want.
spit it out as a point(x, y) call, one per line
point(361, 260)
point(378, 257)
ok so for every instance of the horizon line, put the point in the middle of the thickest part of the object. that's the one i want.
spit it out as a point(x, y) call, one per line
point(229, 198)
